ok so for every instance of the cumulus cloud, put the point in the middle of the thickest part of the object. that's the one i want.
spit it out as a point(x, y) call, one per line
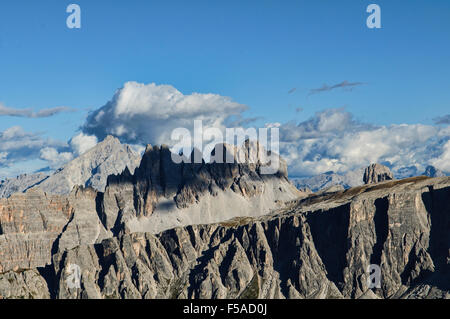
point(343, 85)
point(81, 143)
point(17, 145)
point(9, 111)
point(333, 140)
point(443, 161)
point(54, 158)
point(147, 113)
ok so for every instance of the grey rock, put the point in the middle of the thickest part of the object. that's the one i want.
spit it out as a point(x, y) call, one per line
point(331, 189)
point(319, 182)
point(376, 173)
point(161, 194)
point(20, 183)
point(35, 224)
point(28, 284)
point(316, 246)
point(92, 168)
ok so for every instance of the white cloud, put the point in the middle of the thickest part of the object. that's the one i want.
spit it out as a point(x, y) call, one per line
point(333, 141)
point(147, 113)
point(9, 111)
point(55, 158)
point(21, 145)
point(81, 143)
point(18, 146)
point(443, 161)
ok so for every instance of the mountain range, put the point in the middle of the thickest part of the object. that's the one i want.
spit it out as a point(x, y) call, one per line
point(353, 178)
point(110, 157)
point(146, 227)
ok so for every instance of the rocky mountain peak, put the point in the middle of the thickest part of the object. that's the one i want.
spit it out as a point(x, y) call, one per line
point(376, 173)
point(92, 167)
point(168, 193)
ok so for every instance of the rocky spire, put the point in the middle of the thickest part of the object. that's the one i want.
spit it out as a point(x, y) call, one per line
point(376, 173)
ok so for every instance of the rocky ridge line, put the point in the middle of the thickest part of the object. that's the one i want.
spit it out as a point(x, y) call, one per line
point(317, 247)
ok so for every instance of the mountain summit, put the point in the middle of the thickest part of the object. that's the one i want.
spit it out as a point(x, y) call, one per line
point(376, 173)
point(93, 167)
point(162, 194)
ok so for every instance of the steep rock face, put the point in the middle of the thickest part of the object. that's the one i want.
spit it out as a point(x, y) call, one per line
point(92, 168)
point(35, 224)
point(146, 237)
point(162, 194)
point(318, 247)
point(376, 173)
point(28, 284)
point(29, 224)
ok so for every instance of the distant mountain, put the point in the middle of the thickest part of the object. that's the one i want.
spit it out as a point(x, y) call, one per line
point(329, 179)
point(20, 183)
point(407, 171)
point(354, 178)
point(92, 168)
point(432, 171)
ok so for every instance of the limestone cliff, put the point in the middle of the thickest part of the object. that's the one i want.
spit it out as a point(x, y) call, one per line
point(306, 246)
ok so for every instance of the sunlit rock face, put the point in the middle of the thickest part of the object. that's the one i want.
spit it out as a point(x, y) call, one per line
point(212, 230)
point(90, 169)
point(376, 173)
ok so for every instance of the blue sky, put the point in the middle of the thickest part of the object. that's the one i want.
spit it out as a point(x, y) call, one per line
point(252, 51)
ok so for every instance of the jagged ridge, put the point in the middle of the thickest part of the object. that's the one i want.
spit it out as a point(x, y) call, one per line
point(317, 247)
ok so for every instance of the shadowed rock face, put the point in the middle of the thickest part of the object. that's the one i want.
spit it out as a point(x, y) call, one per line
point(312, 247)
point(161, 194)
point(376, 173)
